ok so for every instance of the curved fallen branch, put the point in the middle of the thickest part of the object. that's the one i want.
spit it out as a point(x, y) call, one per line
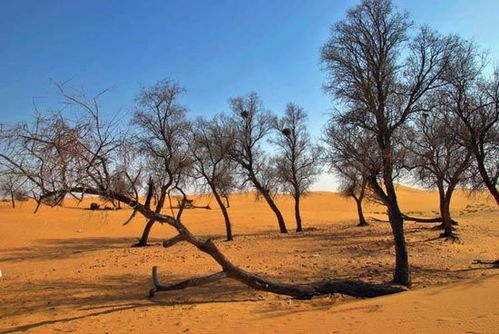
point(229, 270)
point(426, 220)
point(299, 291)
point(417, 220)
point(485, 262)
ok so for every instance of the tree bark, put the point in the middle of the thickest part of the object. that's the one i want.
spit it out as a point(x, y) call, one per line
point(297, 213)
point(225, 213)
point(445, 198)
point(401, 273)
point(362, 220)
point(270, 201)
point(273, 206)
point(13, 200)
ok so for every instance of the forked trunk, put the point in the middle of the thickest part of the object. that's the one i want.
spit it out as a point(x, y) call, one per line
point(445, 198)
point(147, 229)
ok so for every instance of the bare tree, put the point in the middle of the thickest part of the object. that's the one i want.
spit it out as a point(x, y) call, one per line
point(297, 157)
point(382, 90)
point(475, 100)
point(351, 155)
point(438, 158)
point(12, 185)
point(251, 124)
point(211, 144)
point(91, 157)
point(162, 140)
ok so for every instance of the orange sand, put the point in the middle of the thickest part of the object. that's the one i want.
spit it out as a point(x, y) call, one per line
point(72, 270)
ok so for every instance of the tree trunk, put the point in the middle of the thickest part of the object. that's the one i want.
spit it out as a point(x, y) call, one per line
point(13, 200)
point(402, 273)
point(147, 229)
point(228, 227)
point(491, 186)
point(273, 206)
point(270, 201)
point(297, 213)
point(445, 198)
point(362, 220)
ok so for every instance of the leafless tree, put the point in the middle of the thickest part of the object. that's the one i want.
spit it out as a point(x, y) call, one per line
point(91, 156)
point(351, 155)
point(475, 100)
point(162, 129)
point(381, 90)
point(12, 185)
point(438, 158)
point(55, 153)
point(211, 143)
point(251, 124)
point(297, 158)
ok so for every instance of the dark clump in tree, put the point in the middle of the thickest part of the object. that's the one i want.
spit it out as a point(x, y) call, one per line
point(297, 159)
point(211, 143)
point(251, 124)
point(381, 90)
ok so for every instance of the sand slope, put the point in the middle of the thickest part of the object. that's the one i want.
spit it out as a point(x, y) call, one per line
point(72, 270)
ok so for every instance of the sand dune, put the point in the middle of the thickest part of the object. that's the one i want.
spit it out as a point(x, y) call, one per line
point(72, 270)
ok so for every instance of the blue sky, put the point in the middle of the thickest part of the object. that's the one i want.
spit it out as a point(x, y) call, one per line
point(215, 49)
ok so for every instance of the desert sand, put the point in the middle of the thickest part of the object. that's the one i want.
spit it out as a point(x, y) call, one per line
point(69, 269)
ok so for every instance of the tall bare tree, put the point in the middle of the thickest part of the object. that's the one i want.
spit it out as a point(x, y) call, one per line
point(297, 159)
point(162, 131)
point(363, 58)
point(438, 158)
point(251, 124)
point(475, 100)
point(211, 144)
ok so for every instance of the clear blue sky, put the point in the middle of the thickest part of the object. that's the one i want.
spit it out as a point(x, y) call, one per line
point(215, 49)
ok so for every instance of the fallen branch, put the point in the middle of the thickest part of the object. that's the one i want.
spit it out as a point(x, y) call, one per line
point(197, 281)
point(494, 263)
point(173, 241)
point(300, 291)
point(426, 220)
point(416, 220)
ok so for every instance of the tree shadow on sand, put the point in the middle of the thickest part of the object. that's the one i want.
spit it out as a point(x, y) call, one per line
point(73, 300)
point(57, 249)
